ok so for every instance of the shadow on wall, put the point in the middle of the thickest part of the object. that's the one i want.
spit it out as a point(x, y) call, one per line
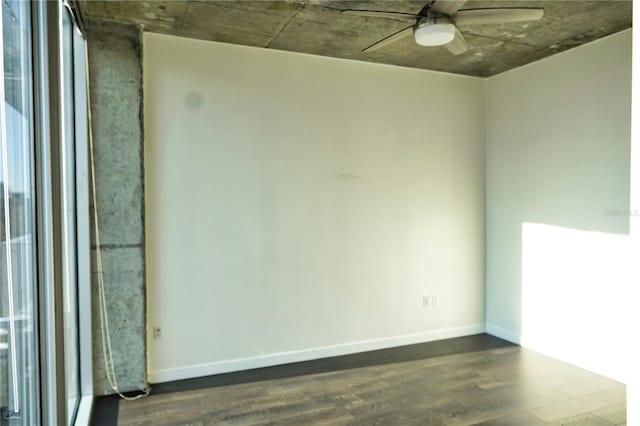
point(576, 300)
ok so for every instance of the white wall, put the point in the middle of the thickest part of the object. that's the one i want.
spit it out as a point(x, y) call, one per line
point(299, 206)
point(558, 270)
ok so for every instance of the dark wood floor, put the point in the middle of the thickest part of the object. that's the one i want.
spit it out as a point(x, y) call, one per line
point(467, 381)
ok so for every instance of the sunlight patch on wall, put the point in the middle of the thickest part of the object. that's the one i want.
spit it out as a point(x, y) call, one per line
point(576, 295)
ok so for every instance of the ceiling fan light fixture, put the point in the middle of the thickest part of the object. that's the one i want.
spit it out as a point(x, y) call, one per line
point(434, 34)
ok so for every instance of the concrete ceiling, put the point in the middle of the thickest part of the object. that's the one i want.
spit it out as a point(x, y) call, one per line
point(317, 27)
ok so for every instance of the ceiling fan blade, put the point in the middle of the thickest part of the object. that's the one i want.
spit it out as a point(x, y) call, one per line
point(458, 45)
point(448, 7)
point(390, 39)
point(381, 14)
point(497, 16)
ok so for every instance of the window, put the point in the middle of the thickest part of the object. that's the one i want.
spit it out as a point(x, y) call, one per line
point(40, 380)
point(18, 308)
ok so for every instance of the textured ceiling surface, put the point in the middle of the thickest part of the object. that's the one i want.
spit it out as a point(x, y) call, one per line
point(317, 27)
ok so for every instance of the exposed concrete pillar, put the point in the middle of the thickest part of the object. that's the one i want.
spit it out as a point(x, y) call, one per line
point(115, 69)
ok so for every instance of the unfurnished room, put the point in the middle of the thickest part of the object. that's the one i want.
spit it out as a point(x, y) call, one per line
point(319, 212)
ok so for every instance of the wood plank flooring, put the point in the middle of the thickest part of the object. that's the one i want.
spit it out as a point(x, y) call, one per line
point(494, 385)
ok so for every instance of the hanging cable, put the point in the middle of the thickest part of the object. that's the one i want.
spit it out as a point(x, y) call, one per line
point(107, 351)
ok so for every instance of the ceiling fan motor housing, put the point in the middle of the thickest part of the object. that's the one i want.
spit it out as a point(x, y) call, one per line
point(434, 31)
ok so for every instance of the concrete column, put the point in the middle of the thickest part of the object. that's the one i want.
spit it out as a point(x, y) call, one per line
point(116, 103)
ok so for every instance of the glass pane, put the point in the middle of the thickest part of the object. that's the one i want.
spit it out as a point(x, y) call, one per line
point(18, 360)
point(69, 220)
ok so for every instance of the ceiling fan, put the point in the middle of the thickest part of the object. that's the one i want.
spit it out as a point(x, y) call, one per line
point(436, 24)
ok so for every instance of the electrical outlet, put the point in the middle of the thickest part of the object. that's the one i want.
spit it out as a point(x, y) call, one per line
point(157, 333)
point(434, 300)
point(426, 301)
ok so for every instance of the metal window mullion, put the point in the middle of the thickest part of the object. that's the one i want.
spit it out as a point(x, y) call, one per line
point(83, 215)
point(49, 210)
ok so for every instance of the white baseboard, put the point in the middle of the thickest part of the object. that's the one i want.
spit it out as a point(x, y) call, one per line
point(502, 333)
point(200, 370)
